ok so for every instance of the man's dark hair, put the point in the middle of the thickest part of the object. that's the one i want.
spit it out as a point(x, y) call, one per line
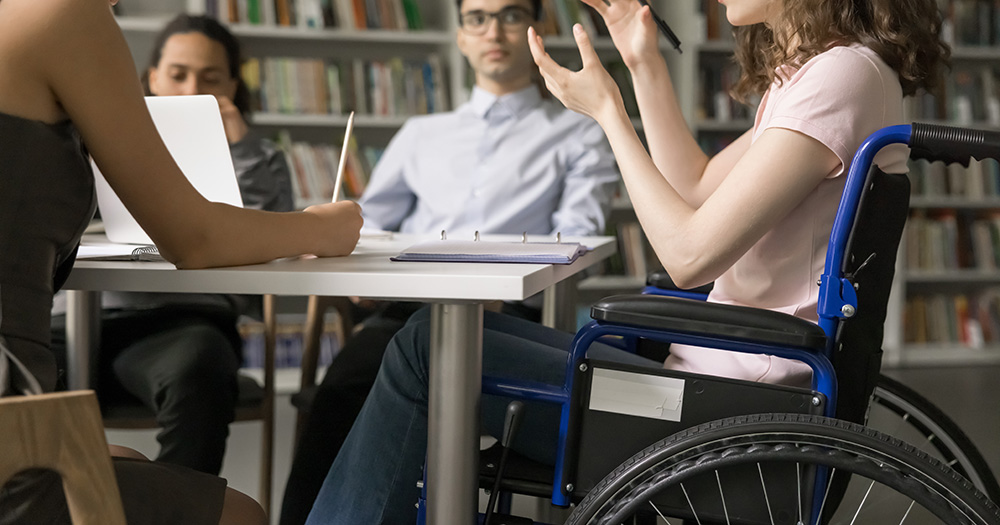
point(536, 7)
point(212, 29)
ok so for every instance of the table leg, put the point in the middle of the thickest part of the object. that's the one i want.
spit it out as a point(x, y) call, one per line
point(453, 414)
point(83, 334)
point(559, 305)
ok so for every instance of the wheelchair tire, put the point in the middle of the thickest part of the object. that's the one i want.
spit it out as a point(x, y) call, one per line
point(904, 474)
point(919, 422)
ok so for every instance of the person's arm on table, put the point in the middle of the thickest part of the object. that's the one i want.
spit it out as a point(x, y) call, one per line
point(83, 57)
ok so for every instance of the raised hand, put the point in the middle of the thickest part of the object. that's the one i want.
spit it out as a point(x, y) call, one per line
point(631, 27)
point(590, 91)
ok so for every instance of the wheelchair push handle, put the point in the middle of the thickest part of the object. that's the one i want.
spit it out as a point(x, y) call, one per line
point(950, 144)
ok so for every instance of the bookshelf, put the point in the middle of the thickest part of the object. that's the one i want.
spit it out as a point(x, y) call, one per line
point(945, 307)
point(305, 77)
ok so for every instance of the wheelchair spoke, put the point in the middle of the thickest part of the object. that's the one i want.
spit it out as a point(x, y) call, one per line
point(863, 500)
point(660, 514)
point(798, 486)
point(722, 496)
point(908, 509)
point(826, 493)
point(688, 498)
point(767, 501)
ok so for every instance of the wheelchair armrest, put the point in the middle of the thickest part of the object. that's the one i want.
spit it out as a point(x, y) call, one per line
point(661, 279)
point(693, 317)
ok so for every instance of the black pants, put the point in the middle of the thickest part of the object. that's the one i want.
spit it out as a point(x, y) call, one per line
point(338, 402)
point(181, 363)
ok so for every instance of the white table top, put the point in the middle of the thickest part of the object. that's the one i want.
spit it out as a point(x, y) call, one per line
point(367, 272)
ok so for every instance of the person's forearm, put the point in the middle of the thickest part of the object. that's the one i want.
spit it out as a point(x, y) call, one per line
point(672, 147)
point(667, 220)
point(241, 236)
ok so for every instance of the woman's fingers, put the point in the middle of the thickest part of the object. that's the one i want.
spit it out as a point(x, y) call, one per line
point(546, 66)
point(599, 5)
point(587, 53)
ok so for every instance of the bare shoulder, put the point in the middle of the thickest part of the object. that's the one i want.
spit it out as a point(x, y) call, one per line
point(37, 38)
point(51, 20)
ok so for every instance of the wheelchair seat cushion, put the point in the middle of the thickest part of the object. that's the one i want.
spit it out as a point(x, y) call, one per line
point(690, 316)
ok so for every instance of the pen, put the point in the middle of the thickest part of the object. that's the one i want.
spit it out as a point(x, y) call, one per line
point(343, 157)
point(664, 28)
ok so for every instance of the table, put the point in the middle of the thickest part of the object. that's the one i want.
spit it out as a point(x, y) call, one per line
point(457, 291)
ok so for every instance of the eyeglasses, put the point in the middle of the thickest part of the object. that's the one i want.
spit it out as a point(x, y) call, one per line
point(511, 18)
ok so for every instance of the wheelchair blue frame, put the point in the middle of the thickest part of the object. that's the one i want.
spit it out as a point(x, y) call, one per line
point(837, 301)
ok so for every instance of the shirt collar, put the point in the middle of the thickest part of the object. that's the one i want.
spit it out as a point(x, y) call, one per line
point(517, 102)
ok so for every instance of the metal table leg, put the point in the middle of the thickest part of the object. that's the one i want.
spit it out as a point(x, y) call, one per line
point(456, 366)
point(83, 334)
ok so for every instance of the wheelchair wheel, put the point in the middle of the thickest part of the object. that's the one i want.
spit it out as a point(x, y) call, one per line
point(709, 474)
point(899, 411)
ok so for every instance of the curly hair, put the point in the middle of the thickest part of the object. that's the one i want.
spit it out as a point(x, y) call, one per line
point(906, 34)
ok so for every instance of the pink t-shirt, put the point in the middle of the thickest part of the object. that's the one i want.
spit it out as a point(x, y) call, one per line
point(839, 98)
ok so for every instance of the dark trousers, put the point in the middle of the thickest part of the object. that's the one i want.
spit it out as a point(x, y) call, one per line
point(338, 401)
point(182, 365)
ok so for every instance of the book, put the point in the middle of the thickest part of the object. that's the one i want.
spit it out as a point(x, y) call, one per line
point(492, 252)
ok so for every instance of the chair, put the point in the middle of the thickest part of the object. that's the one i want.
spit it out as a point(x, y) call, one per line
point(313, 332)
point(254, 402)
point(730, 426)
point(63, 432)
point(894, 406)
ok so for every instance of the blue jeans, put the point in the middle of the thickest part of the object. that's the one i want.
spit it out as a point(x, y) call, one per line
point(374, 478)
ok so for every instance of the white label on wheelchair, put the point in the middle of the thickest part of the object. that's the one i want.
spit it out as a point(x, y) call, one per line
point(640, 395)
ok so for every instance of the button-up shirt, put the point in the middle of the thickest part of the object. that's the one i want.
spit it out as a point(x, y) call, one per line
point(509, 164)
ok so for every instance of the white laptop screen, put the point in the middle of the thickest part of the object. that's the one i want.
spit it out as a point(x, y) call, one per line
point(191, 127)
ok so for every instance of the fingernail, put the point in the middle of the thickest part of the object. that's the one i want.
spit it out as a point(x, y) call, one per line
point(577, 28)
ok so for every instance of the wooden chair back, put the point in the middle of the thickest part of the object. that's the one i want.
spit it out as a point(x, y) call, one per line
point(63, 432)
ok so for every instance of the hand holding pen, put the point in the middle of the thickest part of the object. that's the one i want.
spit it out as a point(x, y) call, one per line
point(633, 32)
point(663, 27)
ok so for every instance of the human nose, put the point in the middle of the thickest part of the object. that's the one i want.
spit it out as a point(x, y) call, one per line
point(190, 86)
point(493, 28)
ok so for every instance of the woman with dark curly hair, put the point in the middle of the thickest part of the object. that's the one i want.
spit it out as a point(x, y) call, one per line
point(755, 218)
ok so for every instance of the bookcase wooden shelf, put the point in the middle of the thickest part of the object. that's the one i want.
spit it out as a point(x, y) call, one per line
point(946, 307)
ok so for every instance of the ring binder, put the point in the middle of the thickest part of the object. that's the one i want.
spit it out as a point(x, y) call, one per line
point(147, 253)
point(493, 251)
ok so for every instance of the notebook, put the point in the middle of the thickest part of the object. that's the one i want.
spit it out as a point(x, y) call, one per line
point(493, 252)
point(191, 128)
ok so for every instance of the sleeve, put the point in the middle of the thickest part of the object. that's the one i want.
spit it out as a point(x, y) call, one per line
point(262, 173)
point(590, 181)
point(388, 199)
point(838, 99)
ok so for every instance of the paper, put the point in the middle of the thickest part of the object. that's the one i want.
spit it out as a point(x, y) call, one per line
point(492, 252)
point(642, 395)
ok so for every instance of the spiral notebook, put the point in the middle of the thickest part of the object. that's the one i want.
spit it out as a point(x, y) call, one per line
point(493, 252)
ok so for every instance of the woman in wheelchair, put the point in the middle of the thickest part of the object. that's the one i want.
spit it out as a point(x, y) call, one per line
point(755, 218)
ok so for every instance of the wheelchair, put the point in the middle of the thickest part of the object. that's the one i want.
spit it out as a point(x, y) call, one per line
point(639, 444)
point(895, 409)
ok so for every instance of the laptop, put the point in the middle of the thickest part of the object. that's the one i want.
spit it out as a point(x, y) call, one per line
point(191, 128)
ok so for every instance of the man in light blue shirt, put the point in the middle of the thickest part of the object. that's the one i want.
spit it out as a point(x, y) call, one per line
point(507, 161)
point(511, 162)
